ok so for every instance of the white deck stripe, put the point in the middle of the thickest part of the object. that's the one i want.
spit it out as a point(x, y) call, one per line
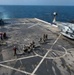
point(65, 50)
point(59, 56)
point(43, 21)
point(15, 69)
point(44, 57)
point(19, 58)
point(54, 53)
point(33, 25)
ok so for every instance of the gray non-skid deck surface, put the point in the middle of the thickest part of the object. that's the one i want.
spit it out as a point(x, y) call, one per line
point(54, 57)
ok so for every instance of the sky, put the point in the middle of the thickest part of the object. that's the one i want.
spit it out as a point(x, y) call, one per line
point(37, 2)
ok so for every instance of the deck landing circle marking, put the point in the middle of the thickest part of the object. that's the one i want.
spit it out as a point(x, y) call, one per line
point(65, 52)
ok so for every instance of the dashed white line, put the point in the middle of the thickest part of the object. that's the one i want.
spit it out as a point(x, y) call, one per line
point(44, 57)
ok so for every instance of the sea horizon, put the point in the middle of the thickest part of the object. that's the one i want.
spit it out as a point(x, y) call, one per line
point(44, 12)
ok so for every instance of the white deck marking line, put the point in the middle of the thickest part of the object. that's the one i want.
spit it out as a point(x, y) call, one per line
point(44, 57)
point(42, 21)
point(21, 62)
point(65, 50)
point(59, 56)
point(33, 25)
point(54, 53)
point(14, 69)
point(19, 58)
point(54, 70)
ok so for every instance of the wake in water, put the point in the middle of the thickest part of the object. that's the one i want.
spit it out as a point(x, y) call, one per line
point(4, 14)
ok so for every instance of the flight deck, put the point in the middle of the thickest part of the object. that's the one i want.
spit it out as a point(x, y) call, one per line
point(55, 56)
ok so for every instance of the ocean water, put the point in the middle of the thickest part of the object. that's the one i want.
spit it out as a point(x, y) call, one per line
point(65, 13)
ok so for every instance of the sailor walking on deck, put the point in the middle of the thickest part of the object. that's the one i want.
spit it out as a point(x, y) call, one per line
point(4, 35)
point(14, 49)
point(44, 38)
point(1, 36)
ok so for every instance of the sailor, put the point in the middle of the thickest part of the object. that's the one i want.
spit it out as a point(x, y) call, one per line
point(1, 36)
point(44, 38)
point(23, 47)
point(33, 44)
point(30, 45)
point(40, 40)
point(29, 49)
point(4, 35)
point(26, 49)
point(14, 49)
